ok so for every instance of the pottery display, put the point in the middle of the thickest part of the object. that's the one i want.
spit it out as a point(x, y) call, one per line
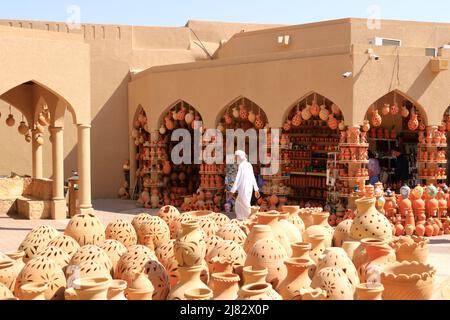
point(369, 291)
point(36, 240)
point(153, 232)
point(58, 255)
point(86, 228)
point(114, 250)
point(190, 246)
point(320, 226)
point(232, 231)
point(189, 278)
point(169, 214)
point(271, 218)
point(122, 231)
point(342, 232)
point(368, 222)
point(225, 286)
point(92, 288)
point(230, 251)
point(40, 268)
point(297, 278)
point(33, 291)
point(335, 282)
point(258, 291)
point(412, 248)
point(408, 281)
point(270, 254)
point(116, 290)
point(336, 257)
point(66, 243)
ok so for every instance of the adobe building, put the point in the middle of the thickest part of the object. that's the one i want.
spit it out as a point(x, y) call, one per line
point(105, 75)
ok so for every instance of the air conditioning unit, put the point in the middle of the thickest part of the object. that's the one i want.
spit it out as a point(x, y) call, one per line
point(377, 41)
point(431, 52)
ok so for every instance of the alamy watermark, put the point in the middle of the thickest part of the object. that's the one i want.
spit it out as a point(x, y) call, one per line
point(208, 147)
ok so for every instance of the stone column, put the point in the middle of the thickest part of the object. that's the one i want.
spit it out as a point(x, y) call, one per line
point(84, 168)
point(36, 157)
point(58, 201)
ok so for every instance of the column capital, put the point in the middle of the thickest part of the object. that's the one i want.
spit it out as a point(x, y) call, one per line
point(55, 129)
point(84, 126)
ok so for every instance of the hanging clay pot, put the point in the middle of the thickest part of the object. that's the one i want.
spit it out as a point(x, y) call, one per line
point(190, 247)
point(404, 112)
point(297, 278)
point(306, 113)
point(258, 291)
point(251, 117)
point(122, 231)
point(315, 109)
point(287, 125)
point(86, 228)
point(228, 120)
point(413, 122)
point(270, 254)
point(342, 125)
point(189, 117)
point(162, 130)
point(335, 282)
point(243, 113)
point(10, 121)
point(259, 122)
point(394, 109)
point(366, 126)
point(28, 137)
point(33, 291)
point(332, 122)
point(335, 109)
point(324, 113)
point(376, 118)
point(386, 109)
point(368, 222)
point(23, 128)
point(92, 288)
point(369, 291)
point(297, 119)
point(189, 278)
point(235, 112)
point(225, 286)
point(39, 140)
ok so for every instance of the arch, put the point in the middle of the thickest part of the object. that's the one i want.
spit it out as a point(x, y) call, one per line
point(309, 97)
point(177, 104)
point(250, 106)
point(391, 96)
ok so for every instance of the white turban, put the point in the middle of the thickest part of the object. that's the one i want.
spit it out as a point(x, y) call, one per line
point(241, 154)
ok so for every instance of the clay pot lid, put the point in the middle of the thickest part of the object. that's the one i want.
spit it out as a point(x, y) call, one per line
point(34, 287)
point(225, 277)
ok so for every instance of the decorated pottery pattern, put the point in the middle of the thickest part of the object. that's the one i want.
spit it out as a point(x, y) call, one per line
point(86, 229)
point(122, 231)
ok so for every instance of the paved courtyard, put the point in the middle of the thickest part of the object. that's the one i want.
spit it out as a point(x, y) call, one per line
point(13, 231)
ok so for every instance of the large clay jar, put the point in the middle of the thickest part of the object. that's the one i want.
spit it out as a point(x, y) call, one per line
point(122, 231)
point(33, 291)
point(139, 220)
point(17, 257)
point(208, 226)
point(320, 226)
point(379, 254)
point(318, 245)
point(220, 219)
point(8, 273)
point(134, 259)
point(258, 232)
point(40, 268)
point(335, 282)
point(67, 243)
point(169, 214)
point(86, 228)
point(189, 278)
point(139, 286)
point(114, 250)
point(297, 278)
point(369, 291)
point(258, 291)
point(117, 289)
point(306, 216)
point(232, 231)
point(190, 246)
point(36, 240)
point(58, 255)
point(251, 275)
point(225, 286)
point(153, 232)
point(349, 247)
point(92, 288)
point(336, 257)
point(412, 248)
point(229, 251)
point(92, 253)
point(302, 250)
point(270, 254)
point(294, 217)
point(368, 222)
point(271, 218)
point(291, 230)
point(342, 232)
point(408, 281)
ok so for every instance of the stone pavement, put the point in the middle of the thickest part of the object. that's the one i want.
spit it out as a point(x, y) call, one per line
point(14, 230)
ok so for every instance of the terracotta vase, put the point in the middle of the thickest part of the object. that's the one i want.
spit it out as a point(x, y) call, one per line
point(8, 273)
point(86, 228)
point(335, 282)
point(318, 245)
point(368, 222)
point(271, 218)
point(251, 275)
point(337, 257)
point(36, 240)
point(301, 250)
point(198, 294)
point(379, 254)
point(294, 217)
point(5, 293)
point(349, 247)
point(270, 254)
point(139, 286)
point(67, 243)
point(369, 291)
point(226, 251)
point(258, 232)
point(92, 288)
point(225, 286)
point(306, 216)
point(232, 231)
point(411, 248)
point(258, 291)
point(189, 278)
point(320, 226)
point(297, 278)
point(116, 290)
point(33, 291)
point(342, 232)
point(291, 231)
point(190, 246)
point(408, 281)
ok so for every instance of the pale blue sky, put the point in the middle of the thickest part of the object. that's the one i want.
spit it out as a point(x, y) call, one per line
point(177, 12)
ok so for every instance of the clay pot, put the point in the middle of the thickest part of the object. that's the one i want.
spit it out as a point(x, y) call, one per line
point(36, 240)
point(318, 245)
point(190, 247)
point(335, 282)
point(336, 257)
point(66, 243)
point(93, 254)
point(297, 278)
point(189, 278)
point(301, 250)
point(306, 113)
point(169, 214)
point(342, 232)
point(33, 291)
point(153, 232)
point(40, 268)
point(8, 273)
point(379, 254)
point(271, 218)
point(58, 255)
point(225, 286)
point(349, 247)
point(116, 290)
point(412, 248)
point(114, 250)
point(139, 286)
point(324, 113)
point(122, 231)
point(198, 294)
point(369, 291)
point(17, 257)
point(220, 219)
point(306, 216)
point(320, 226)
point(258, 232)
point(376, 118)
point(5, 293)
point(408, 281)
point(368, 222)
point(270, 254)
point(294, 217)
point(292, 232)
point(92, 288)
point(232, 231)
point(258, 291)
point(86, 229)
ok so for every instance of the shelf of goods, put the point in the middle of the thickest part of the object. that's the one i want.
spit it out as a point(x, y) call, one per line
point(432, 155)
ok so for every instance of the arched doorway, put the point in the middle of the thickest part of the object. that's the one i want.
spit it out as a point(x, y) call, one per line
point(445, 127)
point(311, 134)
